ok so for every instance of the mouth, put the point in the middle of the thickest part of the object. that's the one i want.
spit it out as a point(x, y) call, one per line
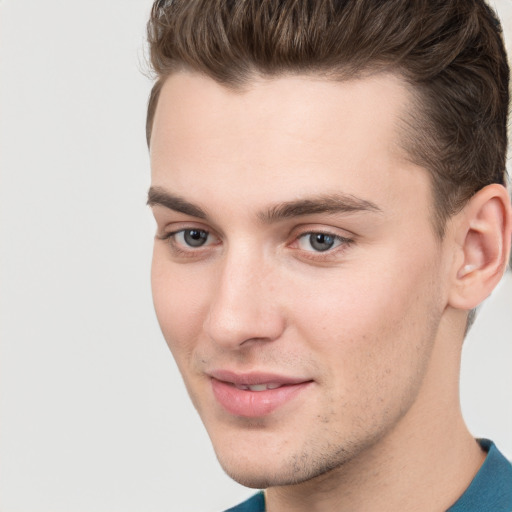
point(254, 395)
point(257, 387)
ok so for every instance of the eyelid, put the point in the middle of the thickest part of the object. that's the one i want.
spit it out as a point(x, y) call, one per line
point(338, 240)
point(171, 228)
point(180, 238)
point(311, 229)
point(181, 250)
point(346, 240)
point(172, 234)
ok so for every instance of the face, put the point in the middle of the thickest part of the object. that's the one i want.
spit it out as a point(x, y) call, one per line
point(296, 275)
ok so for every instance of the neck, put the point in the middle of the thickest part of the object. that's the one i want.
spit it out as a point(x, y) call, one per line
point(423, 464)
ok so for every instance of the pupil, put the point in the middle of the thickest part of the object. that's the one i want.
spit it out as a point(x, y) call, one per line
point(195, 237)
point(321, 242)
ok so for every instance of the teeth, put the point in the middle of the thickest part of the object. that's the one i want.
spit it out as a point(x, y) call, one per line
point(258, 387)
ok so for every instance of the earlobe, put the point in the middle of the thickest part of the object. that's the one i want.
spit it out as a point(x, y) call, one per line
point(484, 236)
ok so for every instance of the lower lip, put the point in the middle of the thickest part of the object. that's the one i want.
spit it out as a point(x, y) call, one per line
point(253, 404)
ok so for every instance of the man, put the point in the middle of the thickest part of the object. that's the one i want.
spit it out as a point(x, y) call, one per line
point(328, 183)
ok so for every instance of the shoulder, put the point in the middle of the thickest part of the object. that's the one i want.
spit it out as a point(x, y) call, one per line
point(255, 503)
point(491, 489)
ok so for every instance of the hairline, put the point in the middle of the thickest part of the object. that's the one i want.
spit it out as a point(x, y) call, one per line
point(408, 125)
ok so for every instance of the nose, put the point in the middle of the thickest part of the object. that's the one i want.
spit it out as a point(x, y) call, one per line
point(244, 306)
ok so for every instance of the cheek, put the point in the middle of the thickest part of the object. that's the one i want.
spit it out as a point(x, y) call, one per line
point(353, 304)
point(373, 329)
point(178, 305)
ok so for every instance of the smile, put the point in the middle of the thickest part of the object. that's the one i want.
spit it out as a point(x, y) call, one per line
point(257, 387)
point(254, 395)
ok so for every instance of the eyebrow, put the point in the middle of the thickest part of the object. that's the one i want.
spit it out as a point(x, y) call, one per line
point(330, 203)
point(159, 196)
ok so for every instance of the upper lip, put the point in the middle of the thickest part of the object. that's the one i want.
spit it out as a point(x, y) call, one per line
point(255, 378)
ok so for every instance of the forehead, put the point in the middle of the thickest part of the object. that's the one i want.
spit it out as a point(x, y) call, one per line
point(280, 137)
point(275, 106)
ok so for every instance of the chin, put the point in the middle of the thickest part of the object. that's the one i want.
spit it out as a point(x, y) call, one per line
point(252, 481)
point(273, 471)
point(262, 478)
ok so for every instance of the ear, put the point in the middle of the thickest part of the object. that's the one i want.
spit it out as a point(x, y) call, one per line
point(483, 234)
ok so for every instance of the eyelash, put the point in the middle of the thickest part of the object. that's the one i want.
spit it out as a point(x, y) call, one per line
point(342, 243)
point(178, 249)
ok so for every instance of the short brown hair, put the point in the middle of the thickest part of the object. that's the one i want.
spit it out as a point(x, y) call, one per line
point(450, 51)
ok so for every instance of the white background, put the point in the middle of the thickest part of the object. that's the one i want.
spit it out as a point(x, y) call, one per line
point(94, 416)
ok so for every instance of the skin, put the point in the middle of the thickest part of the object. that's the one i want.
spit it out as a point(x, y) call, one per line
point(368, 323)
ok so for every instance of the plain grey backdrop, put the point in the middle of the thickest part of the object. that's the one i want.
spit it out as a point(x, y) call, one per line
point(93, 414)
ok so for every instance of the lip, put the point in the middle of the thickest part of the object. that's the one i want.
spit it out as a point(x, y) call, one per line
point(253, 404)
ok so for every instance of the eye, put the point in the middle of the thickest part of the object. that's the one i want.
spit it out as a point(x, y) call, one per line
point(190, 243)
point(319, 242)
point(192, 237)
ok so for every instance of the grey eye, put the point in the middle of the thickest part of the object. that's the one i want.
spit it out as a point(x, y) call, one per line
point(321, 241)
point(194, 237)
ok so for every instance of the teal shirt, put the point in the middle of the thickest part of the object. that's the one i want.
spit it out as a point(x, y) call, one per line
point(490, 490)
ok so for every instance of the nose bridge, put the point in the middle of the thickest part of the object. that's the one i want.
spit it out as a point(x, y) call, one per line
point(243, 305)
